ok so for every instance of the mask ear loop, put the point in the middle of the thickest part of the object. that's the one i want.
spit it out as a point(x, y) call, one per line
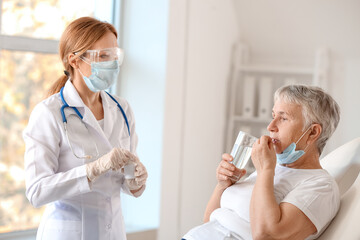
point(81, 58)
point(307, 145)
point(81, 73)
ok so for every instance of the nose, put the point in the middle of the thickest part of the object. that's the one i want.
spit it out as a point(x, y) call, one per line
point(272, 126)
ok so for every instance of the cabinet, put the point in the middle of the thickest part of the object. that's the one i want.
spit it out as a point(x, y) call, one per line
point(252, 86)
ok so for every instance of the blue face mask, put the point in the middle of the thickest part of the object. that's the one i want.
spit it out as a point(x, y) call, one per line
point(290, 155)
point(103, 75)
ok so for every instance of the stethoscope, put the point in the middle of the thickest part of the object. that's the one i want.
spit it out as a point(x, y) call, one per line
point(65, 105)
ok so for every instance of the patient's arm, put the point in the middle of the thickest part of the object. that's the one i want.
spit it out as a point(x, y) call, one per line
point(225, 172)
point(268, 219)
point(214, 202)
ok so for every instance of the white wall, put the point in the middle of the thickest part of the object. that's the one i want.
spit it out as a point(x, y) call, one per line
point(201, 34)
point(144, 40)
point(291, 31)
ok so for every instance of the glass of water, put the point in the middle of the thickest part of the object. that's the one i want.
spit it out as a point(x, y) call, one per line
point(241, 152)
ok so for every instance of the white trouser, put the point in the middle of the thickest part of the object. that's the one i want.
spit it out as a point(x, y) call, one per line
point(211, 230)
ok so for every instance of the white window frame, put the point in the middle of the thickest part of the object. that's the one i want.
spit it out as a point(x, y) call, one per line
point(19, 235)
point(27, 44)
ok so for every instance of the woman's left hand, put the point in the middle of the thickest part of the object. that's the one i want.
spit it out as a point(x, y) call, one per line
point(140, 174)
point(263, 154)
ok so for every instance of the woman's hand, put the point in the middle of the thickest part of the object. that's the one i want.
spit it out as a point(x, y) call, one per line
point(115, 160)
point(226, 173)
point(263, 154)
point(140, 176)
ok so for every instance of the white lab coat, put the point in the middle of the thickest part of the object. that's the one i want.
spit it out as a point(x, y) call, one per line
point(55, 177)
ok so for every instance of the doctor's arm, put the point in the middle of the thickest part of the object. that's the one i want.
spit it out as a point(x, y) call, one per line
point(224, 172)
point(44, 183)
point(268, 219)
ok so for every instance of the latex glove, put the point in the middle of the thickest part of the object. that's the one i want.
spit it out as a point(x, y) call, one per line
point(115, 160)
point(140, 175)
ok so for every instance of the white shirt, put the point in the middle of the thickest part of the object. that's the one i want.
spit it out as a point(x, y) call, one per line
point(56, 178)
point(101, 123)
point(313, 191)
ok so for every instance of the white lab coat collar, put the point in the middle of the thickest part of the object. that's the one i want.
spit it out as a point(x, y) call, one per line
point(107, 101)
point(71, 96)
point(110, 113)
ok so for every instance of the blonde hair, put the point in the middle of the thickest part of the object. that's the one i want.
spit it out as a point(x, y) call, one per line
point(317, 107)
point(78, 37)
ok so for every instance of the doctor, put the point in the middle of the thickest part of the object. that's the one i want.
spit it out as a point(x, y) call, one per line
point(81, 141)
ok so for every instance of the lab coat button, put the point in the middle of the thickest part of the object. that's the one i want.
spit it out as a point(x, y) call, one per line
point(108, 199)
point(109, 226)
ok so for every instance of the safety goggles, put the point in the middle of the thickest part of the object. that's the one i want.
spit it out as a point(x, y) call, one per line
point(103, 55)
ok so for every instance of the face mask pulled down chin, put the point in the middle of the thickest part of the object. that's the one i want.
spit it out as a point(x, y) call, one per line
point(103, 75)
point(290, 155)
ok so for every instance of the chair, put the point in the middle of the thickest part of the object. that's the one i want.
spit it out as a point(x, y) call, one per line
point(344, 164)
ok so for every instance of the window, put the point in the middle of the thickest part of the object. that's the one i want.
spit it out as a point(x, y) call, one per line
point(29, 63)
point(24, 76)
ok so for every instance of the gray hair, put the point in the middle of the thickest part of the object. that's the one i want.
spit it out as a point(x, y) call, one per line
point(317, 107)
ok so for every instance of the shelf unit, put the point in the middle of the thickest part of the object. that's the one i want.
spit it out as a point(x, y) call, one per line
point(252, 87)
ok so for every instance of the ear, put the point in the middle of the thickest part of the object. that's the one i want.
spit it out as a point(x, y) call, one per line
point(73, 60)
point(315, 132)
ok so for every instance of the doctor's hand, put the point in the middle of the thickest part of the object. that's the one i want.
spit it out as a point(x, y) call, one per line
point(263, 154)
point(140, 175)
point(115, 160)
point(226, 173)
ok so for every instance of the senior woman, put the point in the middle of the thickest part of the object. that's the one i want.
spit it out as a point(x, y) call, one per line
point(289, 196)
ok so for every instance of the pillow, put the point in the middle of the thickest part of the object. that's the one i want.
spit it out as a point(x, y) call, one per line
point(344, 164)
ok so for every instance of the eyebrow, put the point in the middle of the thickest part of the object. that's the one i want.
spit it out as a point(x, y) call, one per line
point(282, 113)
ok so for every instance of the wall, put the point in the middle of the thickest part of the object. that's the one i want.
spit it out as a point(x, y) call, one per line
point(200, 37)
point(144, 39)
point(291, 31)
